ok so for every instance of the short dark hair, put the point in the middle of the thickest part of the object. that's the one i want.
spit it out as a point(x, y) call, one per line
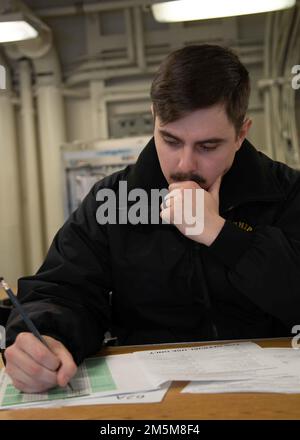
point(196, 77)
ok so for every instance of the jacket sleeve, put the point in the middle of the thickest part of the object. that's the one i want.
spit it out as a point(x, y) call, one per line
point(68, 298)
point(264, 265)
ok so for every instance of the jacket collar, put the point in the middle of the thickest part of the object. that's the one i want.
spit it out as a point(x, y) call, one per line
point(249, 179)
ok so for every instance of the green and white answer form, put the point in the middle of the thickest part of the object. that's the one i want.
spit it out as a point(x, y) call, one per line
point(95, 377)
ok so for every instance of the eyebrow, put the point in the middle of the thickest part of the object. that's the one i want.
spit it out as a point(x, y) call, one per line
point(214, 140)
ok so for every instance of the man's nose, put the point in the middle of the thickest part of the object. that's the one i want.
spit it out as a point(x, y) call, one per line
point(187, 161)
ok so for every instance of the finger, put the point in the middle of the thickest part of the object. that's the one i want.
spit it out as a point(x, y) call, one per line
point(37, 350)
point(184, 184)
point(175, 192)
point(165, 204)
point(168, 203)
point(170, 198)
point(176, 185)
point(27, 365)
point(31, 382)
point(165, 215)
point(67, 367)
point(21, 386)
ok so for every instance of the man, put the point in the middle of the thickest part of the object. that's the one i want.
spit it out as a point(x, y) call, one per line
point(239, 277)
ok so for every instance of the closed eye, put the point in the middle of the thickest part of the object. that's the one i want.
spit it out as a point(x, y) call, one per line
point(171, 141)
point(211, 148)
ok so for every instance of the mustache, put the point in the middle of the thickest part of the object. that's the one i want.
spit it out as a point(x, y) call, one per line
point(181, 177)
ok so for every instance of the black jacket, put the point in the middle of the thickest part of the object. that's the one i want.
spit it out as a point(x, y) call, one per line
point(165, 287)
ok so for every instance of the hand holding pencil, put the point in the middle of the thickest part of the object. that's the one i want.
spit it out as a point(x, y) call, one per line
point(34, 362)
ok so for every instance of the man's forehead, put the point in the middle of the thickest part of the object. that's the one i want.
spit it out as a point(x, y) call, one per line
point(197, 133)
point(213, 139)
point(208, 122)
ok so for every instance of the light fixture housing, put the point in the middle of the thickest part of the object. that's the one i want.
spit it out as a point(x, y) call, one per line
point(188, 10)
point(15, 27)
point(18, 22)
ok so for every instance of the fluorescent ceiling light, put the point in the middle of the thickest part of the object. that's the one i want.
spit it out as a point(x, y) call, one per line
point(187, 10)
point(16, 31)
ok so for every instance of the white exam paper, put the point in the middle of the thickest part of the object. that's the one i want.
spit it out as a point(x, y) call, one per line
point(283, 380)
point(206, 363)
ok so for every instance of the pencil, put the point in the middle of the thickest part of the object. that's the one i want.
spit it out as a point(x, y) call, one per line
point(24, 316)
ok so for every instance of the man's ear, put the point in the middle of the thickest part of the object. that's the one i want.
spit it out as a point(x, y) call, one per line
point(243, 132)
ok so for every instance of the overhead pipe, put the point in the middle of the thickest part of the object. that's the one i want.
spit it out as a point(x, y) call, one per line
point(52, 133)
point(91, 8)
point(11, 221)
point(106, 74)
point(99, 119)
point(30, 173)
point(51, 124)
point(140, 52)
